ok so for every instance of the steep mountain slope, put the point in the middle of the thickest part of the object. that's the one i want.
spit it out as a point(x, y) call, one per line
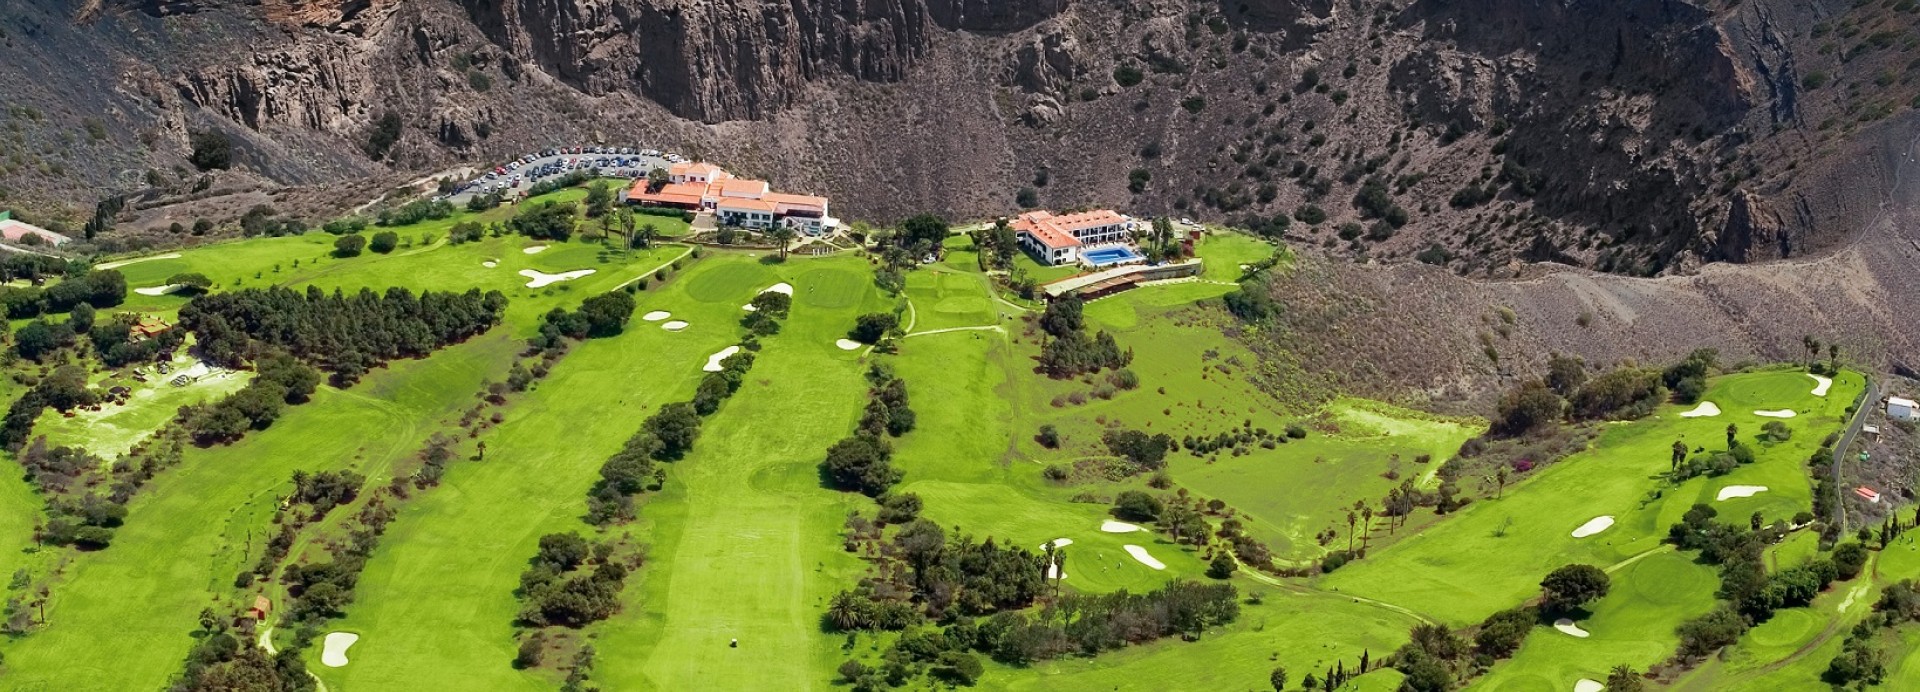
point(1637, 136)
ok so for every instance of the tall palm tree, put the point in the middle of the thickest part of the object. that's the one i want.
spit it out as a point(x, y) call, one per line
point(784, 236)
point(845, 613)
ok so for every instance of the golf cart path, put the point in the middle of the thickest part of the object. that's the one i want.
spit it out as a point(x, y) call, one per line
point(985, 328)
point(116, 264)
point(1270, 580)
point(266, 643)
point(650, 272)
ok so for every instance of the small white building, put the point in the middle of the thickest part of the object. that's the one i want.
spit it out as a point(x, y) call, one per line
point(1902, 409)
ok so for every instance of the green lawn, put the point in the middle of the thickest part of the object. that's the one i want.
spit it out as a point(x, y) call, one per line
point(1633, 625)
point(745, 539)
point(198, 525)
point(450, 563)
point(1444, 571)
point(1225, 253)
point(116, 428)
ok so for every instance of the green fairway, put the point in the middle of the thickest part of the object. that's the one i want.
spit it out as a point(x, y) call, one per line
point(745, 539)
point(189, 532)
point(1633, 625)
point(1530, 526)
point(450, 563)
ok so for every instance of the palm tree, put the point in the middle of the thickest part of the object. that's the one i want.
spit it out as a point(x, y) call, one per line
point(783, 235)
point(645, 237)
point(1733, 433)
point(1679, 453)
point(845, 613)
point(1351, 520)
point(1366, 514)
point(1502, 478)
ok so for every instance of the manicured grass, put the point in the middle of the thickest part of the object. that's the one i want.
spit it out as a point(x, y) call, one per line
point(745, 539)
point(1224, 253)
point(436, 602)
point(1042, 273)
point(1444, 571)
point(1633, 625)
point(943, 298)
point(194, 527)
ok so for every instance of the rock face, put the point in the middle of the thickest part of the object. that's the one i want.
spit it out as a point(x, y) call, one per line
point(1633, 136)
point(716, 61)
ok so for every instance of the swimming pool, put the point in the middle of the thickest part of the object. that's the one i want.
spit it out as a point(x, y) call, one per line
point(1101, 257)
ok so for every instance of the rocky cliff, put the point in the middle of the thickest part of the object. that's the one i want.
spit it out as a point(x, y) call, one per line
point(1635, 136)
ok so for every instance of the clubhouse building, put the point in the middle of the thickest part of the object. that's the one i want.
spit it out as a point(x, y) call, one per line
point(1096, 238)
point(743, 202)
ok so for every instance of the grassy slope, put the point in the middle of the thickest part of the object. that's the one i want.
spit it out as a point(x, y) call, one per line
point(1444, 572)
point(436, 602)
point(185, 535)
point(745, 540)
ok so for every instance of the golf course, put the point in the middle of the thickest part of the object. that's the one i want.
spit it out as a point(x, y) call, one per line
point(626, 463)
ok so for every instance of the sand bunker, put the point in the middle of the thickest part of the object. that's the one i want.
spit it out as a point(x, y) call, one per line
point(542, 278)
point(335, 653)
point(1820, 384)
point(656, 316)
point(159, 290)
point(1782, 413)
point(489, 264)
point(1593, 526)
point(749, 307)
point(847, 344)
point(1058, 543)
point(780, 288)
point(1585, 685)
point(713, 361)
point(1140, 554)
point(674, 326)
point(534, 249)
point(1733, 491)
point(1567, 627)
point(1111, 526)
point(1706, 409)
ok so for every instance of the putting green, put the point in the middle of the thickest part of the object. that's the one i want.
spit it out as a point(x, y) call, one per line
point(1766, 390)
point(832, 288)
point(732, 282)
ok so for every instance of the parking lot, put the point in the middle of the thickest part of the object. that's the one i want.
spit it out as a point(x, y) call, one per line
point(521, 173)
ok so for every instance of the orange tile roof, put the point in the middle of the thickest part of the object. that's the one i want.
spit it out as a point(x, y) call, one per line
point(1037, 224)
point(739, 204)
point(743, 187)
point(696, 168)
point(1087, 219)
point(790, 200)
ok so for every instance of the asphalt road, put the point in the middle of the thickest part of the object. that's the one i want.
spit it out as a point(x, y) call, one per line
point(1867, 401)
point(637, 167)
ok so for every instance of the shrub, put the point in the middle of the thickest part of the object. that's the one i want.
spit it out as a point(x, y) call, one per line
point(349, 245)
point(384, 242)
point(211, 149)
point(1137, 505)
point(1127, 75)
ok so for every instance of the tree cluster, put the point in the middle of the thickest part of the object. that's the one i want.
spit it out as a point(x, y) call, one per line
point(599, 316)
point(1567, 393)
point(863, 461)
point(545, 220)
point(344, 334)
point(1751, 593)
point(62, 390)
point(281, 380)
point(113, 341)
point(103, 288)
point(571, 582)
point(1071, 352)
point(415, 212)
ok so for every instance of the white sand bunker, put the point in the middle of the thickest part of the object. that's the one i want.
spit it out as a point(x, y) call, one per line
point(847, 344)
point(1111, 526)
point(489, 264)
point(1782, 413)
point(542, 278)
point(713, 361)
point(1733, 491)
point(1140, 554)
point(674, 326)
point(1053, 572)
point(749, 307)
point(1057, 543)
point(1706, 409)
point(656, 316)
point(1585, 685)
point(159, 290)
point(1593, 526)
point(1820, 384)
point(780, 288)
point(334, 655)
point(534, 249)
point(1567, 627)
